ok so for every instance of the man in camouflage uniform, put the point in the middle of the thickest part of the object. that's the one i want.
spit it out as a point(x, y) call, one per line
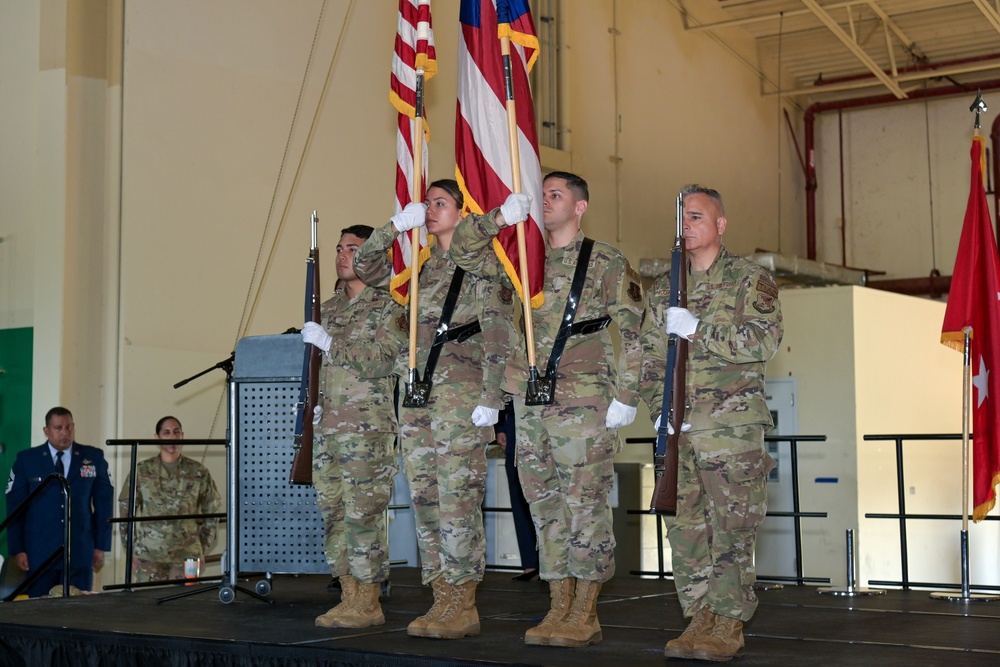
point(733, 323)
point(565, 451)
point(170, 484)
point(353, 456)
point(444, 443)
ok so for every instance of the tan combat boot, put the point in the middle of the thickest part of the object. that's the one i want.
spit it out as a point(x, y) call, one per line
point(683, 646)
point(366, 610)
point(418, 626)
point(722, 643)
point(348, 591)
point(460, 618)
point(581, 627)
point(561, 594)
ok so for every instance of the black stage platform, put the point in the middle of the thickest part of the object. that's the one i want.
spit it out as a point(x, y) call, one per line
point(794, 626)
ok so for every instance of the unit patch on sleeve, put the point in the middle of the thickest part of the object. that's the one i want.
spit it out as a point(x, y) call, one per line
point(635, 292)
point(767, 292)
point(635, 284)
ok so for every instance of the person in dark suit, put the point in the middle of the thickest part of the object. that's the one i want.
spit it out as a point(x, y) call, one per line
point(38, 532)
point(527, 544)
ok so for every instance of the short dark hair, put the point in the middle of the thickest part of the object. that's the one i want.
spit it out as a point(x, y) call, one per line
point(56, 412)
point(575, 183)
point(450, 185)
point(361, 231)
point(695, 189)
point(163, 420)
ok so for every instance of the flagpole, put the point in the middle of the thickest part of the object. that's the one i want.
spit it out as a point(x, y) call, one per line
point(522, 246)
point(978, 106)
point(966, 395)
point(966, 382)
point(966, 595)
point(418, 172)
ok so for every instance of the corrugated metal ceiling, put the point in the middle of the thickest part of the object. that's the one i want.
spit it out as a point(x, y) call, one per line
point(827, 47)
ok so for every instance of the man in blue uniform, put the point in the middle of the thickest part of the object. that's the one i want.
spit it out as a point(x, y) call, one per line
point(39, 531)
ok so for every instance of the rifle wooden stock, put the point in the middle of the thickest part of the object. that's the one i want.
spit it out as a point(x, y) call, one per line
point(301, 472)
point(665, 491)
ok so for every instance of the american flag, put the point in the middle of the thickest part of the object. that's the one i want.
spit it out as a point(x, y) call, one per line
point(413, 51)
point(483, 160)
point(974, 302)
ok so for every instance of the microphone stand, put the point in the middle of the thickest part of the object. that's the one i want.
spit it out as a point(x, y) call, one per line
point(225, 364)
point(227, 586)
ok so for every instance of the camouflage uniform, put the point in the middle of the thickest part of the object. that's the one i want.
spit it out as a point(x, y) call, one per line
point(565, 453)
point(353, 454)
point(161, 547)
point(444, 454)
point(722, 469)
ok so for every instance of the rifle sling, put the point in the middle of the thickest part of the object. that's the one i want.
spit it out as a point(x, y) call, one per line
point(567, 328)
point(445, 332)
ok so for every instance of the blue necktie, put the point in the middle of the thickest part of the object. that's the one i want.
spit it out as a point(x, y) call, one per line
point(59, 463)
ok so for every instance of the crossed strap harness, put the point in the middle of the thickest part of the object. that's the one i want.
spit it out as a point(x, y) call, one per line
point(445, 332)
point(568, 328)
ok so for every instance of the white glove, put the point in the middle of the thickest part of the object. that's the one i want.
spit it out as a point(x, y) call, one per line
point(317, 414)
point(619, 415)
point(685, 427)
point(483, 416)
point(680, 321)
point(316, 335)
point(413, 215)
point(515, 208)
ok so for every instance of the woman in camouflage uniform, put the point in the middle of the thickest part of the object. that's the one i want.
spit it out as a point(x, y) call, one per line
point(444, 443)
point(168, 484)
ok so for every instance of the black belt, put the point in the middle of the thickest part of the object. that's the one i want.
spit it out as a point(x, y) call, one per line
point(464, 332)
point(588, 327)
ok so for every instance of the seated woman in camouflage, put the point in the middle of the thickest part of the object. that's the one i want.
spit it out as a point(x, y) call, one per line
point(170, 484)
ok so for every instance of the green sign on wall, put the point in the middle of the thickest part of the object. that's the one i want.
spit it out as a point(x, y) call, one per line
point(15, 403)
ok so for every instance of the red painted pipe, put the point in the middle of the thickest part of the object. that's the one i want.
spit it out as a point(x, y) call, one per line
point(919, 67)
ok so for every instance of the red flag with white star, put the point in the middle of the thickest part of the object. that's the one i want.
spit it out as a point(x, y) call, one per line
point(974, 302)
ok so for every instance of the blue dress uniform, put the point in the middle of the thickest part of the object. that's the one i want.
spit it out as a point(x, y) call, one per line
point(40, 531)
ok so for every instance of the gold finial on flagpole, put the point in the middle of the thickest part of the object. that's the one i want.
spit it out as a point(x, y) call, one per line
point(978, 107)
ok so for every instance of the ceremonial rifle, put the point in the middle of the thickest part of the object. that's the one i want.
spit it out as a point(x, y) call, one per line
point(301, 472)
point(674, 394)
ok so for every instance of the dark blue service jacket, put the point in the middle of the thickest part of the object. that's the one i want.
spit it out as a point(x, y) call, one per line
point(39, 532)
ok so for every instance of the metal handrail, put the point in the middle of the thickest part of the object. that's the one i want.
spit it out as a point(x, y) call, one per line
point(796, 512)
point(64, 549)
point(901, 514)
point(131, 519)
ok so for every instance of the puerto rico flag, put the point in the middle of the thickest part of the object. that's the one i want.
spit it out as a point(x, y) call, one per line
point(482, 146)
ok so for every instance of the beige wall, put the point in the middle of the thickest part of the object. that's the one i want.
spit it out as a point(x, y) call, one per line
point(159, 162)
point(32, 187)
point(870, 363)
point(906, 183)
point(817, 349)
point(908, 381)
point(208, 181)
